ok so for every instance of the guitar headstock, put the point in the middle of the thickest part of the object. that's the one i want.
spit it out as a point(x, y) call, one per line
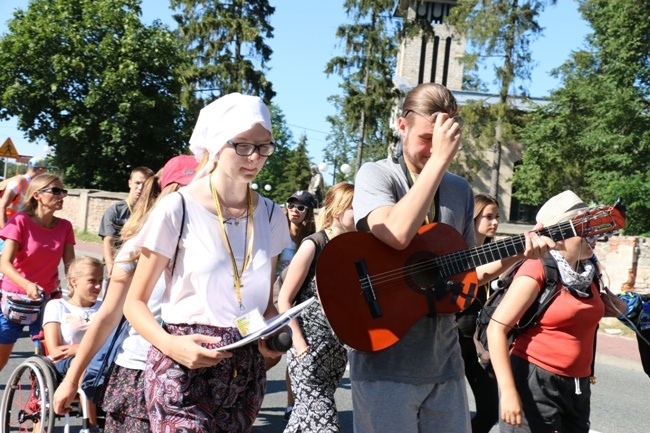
point(599, 219)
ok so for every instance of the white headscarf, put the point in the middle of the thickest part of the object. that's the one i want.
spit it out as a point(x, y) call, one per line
point(226, 118)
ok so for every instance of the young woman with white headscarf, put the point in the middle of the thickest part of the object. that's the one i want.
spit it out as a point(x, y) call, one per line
point(230, 239)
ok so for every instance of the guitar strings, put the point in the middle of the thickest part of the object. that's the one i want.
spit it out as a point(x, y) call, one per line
point(462, 258)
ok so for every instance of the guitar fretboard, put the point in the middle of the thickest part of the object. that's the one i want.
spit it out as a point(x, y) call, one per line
point(472, 258)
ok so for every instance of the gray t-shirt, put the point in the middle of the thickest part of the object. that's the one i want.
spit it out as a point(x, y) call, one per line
point(113, 220)
point(429, 352)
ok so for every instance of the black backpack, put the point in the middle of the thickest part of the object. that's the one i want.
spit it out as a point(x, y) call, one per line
point(530, 317)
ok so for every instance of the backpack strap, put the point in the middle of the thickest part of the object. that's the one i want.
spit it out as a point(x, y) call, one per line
point(546, 295)
point(266, 202)
point(180, 232)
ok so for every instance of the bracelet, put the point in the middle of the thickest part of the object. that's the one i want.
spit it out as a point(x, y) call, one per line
point(303, 353)
point(65, 379)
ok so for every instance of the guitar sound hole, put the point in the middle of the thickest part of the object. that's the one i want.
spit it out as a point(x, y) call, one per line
point(420, 271)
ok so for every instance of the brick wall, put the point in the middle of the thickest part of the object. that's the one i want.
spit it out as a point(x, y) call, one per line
point(625, 259)
point(84, 208)
point(626, 263)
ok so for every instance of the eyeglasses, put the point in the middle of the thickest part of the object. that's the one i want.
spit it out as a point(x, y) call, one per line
point(299, 207)
point(247, 149)
point(432, 117)
point(54, 190)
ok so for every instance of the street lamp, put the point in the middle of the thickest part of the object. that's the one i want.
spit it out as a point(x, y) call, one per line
point(267, 186)
point(323, 167)
point(344, 168)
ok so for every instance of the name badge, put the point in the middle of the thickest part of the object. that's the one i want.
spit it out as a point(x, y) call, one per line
point(250, 322)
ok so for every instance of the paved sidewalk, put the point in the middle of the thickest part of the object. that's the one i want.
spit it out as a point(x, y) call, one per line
point(92, 249)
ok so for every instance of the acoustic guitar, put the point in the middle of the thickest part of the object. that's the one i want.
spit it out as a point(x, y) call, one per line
point(373, 294)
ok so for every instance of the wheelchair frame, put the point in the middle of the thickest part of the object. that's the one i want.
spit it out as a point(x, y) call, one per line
point(27, 403)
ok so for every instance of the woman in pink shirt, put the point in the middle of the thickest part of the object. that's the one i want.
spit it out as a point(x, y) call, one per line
point(35, 243)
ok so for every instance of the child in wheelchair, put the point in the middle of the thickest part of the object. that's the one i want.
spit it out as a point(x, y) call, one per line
point(65, 321)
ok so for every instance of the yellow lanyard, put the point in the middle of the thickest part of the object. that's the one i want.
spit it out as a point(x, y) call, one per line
point(128, 206)
point(433, 205)
point(249, 252)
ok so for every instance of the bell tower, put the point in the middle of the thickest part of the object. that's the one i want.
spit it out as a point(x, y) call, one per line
point(426, 59)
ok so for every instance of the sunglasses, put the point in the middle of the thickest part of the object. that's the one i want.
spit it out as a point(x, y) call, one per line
point(54, 190)
point(299, 207)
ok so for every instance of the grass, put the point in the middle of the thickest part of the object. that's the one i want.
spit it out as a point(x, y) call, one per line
point(86, 236)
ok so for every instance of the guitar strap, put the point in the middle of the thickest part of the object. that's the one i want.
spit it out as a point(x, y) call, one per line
point(434, 213)
point(432, 216)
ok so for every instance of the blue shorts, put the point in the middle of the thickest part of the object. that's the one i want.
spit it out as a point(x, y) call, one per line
point(10, 332)
point(63, 366)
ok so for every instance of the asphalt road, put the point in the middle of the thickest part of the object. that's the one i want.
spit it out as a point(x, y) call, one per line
point(619, 399)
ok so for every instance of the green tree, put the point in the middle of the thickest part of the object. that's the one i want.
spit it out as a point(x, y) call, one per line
point(594, 136)
point(367, 69)
point(275, 169)
point(341, 148)
point(294, 172)
point(497, 29)
point(226, 42)
point(97, 85)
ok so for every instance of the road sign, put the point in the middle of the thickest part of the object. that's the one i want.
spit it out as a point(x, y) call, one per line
point(8, 150)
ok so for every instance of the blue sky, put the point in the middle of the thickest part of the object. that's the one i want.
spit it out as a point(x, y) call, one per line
point(304, 40)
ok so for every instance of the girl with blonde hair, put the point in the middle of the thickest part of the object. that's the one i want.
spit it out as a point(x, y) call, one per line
point(317, 359)
point(225, 258)
point(124, 400)
point(66, 321)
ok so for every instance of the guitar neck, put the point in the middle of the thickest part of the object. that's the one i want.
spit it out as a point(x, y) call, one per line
point(471, 258)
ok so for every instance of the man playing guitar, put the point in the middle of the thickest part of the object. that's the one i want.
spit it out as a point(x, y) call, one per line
point(418, 383)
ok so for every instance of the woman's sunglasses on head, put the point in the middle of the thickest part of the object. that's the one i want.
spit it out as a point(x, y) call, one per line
point(299, 207)
point(54, 190)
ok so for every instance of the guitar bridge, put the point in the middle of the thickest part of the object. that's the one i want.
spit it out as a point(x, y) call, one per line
point(367, 289)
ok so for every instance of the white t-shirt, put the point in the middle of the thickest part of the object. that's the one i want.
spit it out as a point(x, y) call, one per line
point(134, 349)
point(202, 288)
point(74, 320)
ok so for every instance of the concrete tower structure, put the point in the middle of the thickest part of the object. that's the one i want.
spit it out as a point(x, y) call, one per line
point(427, 59)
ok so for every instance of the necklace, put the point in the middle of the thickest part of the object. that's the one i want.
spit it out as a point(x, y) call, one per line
point(247, 242)
point(84, 310)
point(235, 220)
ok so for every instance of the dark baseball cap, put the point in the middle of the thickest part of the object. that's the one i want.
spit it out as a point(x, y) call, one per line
point(304, 197)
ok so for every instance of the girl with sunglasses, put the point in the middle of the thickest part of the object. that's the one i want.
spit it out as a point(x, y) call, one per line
point(300, 214)
point(35, 243)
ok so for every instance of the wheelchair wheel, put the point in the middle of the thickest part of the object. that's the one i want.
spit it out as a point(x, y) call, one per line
point(27, 401)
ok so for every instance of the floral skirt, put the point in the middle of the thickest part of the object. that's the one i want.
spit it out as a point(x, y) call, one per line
point(222, 398)
point(126, 411)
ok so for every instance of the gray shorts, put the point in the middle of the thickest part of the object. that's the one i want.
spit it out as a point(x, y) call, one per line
point(382, 406)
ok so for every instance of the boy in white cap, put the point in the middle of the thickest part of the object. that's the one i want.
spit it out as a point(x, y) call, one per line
point(14, 188)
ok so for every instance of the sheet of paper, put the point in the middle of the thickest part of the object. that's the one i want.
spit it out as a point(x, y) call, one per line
point(272, 325)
